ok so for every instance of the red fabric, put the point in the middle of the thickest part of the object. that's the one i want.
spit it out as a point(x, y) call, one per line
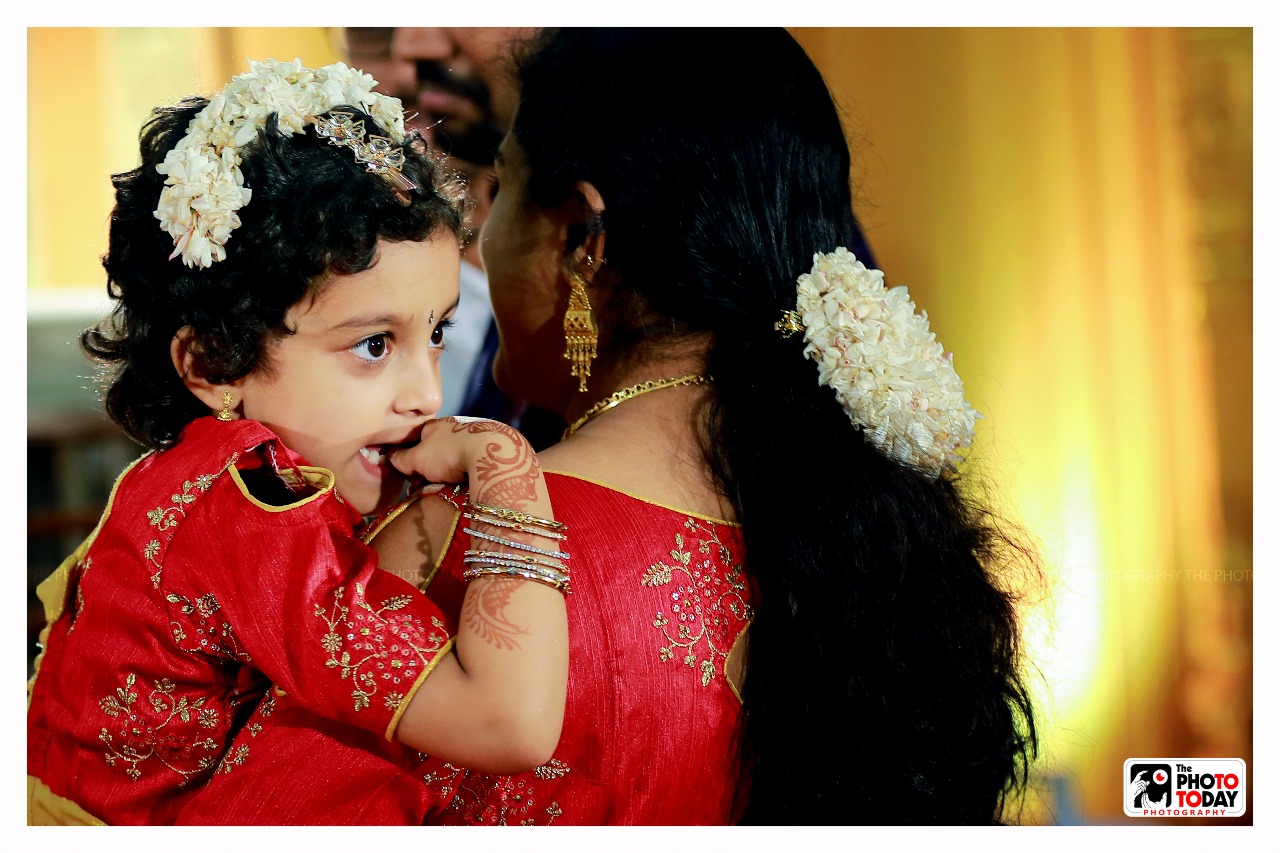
point(190, 600)
point(659, 597)
point(648, 735)
point(303, 769)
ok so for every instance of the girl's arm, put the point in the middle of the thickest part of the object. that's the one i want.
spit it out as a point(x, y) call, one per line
point(495, 703)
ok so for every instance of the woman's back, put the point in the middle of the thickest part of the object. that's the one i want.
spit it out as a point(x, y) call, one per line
point(660, 595)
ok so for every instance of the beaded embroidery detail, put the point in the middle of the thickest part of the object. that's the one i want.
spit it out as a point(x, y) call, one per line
point(492, 800)
point(142, 726)
point(378, 649)
point(166, 519)
point(708, 600)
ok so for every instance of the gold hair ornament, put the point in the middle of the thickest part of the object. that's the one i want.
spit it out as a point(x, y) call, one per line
point(790, 323)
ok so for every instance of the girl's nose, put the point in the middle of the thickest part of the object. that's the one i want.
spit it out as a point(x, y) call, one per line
point(419, 393)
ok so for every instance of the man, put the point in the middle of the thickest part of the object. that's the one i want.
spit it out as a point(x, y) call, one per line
point(459, 81)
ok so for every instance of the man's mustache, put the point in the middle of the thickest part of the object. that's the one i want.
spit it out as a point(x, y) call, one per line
point(468, 86)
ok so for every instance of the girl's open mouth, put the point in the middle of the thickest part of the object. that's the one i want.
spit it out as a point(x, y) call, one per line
point(374, 454)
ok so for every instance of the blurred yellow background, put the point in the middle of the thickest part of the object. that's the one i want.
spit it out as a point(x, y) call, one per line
point(1073, 207)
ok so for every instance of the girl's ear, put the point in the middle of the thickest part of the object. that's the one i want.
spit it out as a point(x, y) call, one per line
point(222, 399)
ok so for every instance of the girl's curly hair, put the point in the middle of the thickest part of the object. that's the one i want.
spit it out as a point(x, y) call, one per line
point(315, 211)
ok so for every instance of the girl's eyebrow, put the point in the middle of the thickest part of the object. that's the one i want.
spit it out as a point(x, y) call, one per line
point(364, 321)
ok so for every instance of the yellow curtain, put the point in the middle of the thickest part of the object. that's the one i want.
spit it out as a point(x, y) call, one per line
point(109, 79)
point(1033, 189)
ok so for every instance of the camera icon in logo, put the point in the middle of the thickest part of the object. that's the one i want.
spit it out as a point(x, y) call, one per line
point(1150, 786)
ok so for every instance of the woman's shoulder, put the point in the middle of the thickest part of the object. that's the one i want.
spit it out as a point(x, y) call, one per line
point(576, 493)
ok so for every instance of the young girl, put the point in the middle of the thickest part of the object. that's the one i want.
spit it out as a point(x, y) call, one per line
point(275, 343)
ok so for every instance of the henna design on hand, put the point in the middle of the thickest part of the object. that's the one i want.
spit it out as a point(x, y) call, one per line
point(484, 612)
point(509, 479)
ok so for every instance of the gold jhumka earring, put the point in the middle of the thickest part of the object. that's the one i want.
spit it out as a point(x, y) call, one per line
point(580, 331)
point(225, 414)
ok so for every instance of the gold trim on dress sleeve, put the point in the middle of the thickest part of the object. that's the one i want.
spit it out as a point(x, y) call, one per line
point(319, 478)
point(408, 697)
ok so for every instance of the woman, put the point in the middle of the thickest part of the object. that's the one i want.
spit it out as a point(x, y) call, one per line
point(735, 532)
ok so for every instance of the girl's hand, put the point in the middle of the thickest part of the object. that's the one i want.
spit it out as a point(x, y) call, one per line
point(496, 702)
point(496, 460)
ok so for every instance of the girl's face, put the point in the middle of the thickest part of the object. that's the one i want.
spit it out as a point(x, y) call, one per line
point(360, 373)
point(523, 250)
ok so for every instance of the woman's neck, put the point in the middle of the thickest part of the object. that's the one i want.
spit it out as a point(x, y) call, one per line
point(609, 379)
point(648, 444)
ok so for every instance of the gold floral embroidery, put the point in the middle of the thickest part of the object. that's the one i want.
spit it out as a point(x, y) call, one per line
point(448, 778)
point(501, 800)
point(708, 600)
point(143, 734)
point(219, 639)
point(233, 759)
point(378, 648)
point(166, 519)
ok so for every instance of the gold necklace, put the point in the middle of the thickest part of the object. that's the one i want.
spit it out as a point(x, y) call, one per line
point(631, 393)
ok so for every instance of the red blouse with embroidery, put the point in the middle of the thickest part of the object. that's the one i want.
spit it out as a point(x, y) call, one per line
point(209, 576)
point(659, 597)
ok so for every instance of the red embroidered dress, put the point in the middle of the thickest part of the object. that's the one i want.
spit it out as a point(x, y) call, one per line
point(659, 597)
point(205, 580)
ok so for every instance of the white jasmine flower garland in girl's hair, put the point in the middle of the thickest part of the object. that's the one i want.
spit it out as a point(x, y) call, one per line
point(204, 187)
point(888, 370)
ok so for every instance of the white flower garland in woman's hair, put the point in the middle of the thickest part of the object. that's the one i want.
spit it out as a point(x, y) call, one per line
point(204, 187)
point(888, 370)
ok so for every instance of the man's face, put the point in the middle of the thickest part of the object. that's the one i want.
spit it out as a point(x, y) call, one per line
point(456, 78)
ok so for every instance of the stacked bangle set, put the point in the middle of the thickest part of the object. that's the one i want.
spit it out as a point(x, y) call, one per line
point(543, 565)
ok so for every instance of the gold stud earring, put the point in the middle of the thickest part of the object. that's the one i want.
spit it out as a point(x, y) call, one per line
point(580, 332)
point(225, 414)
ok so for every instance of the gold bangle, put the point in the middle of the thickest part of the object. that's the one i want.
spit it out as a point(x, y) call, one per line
point(545, 571)
point(516, 515)
point(475, 555)
point(558, 583)
point(519, 546)
point(485, 518)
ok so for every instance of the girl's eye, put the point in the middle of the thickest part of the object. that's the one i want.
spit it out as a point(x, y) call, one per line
point(437, 334)
point(492, 180)
point(373, 348)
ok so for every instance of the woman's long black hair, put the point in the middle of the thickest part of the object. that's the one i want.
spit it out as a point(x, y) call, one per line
point(883, 681)
point(314, 210)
